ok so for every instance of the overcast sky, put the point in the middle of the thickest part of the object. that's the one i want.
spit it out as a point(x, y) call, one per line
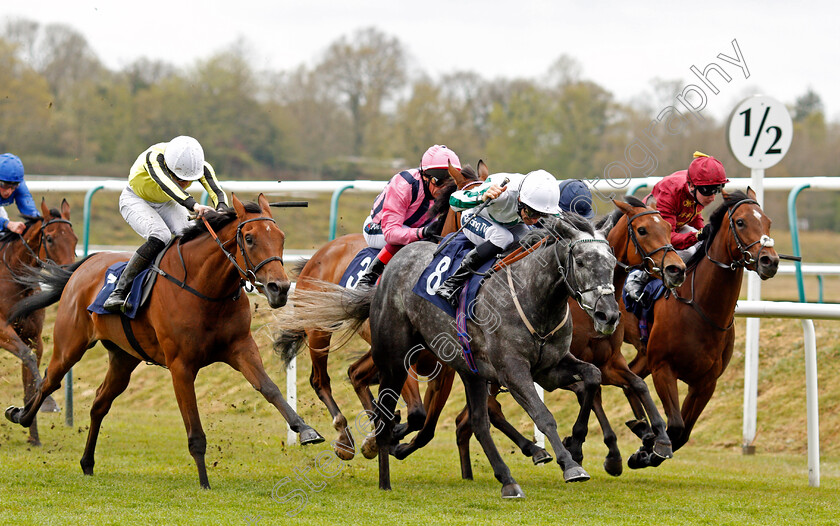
point(621, 45)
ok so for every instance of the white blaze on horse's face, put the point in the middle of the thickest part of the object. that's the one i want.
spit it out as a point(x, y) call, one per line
point(656, 218)
point(757, 214)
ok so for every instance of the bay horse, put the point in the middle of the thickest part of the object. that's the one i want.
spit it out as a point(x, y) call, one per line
point(48, 238)
point(693, 330)
point(200, 317)
point(640, 238)
point(513, 351)
point(329, 264)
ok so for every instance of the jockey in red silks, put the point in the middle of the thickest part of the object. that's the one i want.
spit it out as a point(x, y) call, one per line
point(400, 213)
point(680, 199)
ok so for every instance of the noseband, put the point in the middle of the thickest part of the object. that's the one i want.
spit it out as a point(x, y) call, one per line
point(571, 283)
point(647, 264)
point(34, 253)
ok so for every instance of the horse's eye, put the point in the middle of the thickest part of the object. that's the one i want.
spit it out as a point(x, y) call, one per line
point(642, 231)
point(249, 239)
point(740, 223)
point(49, 239)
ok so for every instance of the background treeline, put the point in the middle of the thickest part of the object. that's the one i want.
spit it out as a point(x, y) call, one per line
point(364, 110)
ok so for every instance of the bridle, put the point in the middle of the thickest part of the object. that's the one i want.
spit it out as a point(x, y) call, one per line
point(34, 252)
point(571, 283)
point(647, 264)
point(746, 257)
point(250, 271)
point(745, 260)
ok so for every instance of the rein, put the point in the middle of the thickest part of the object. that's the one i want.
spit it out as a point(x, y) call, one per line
point(745, 260)
point(248, 275)
point(34, 253)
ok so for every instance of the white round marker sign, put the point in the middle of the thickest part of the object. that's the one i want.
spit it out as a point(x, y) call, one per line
point(760, 132)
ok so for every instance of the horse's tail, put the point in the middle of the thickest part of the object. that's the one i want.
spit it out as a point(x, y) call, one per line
point(298, 268)
point(329, 308)
point(51, 279)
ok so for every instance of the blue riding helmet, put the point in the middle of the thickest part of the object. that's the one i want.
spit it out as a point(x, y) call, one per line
point(576, 197)
point(11, 169)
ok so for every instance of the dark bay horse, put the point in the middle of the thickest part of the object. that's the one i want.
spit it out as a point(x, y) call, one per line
point(328, 264)
point(640, 238)
point(509, 349)
point(200, 318)
point(48, 238)
point(693, 330)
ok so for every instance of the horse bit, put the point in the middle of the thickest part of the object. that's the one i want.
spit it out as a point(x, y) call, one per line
point(647, 257)
point(250, 272)
point(746, 257)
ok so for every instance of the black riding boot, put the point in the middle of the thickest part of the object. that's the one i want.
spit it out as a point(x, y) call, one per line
point(476, 257)
point(372, 274)
point(138, 262)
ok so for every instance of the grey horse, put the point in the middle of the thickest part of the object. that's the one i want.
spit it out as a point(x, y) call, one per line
point(519, 333)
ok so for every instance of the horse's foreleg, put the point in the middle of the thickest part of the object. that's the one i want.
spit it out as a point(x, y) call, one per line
point(695, 401)
point(665, 383)
point(183, 380)
point(476, 389)
point(120, 367)
point(437, 392)
point(246, 359)
point(654, 436)
point(463, 433)
point(573, 369)
point(10, 341)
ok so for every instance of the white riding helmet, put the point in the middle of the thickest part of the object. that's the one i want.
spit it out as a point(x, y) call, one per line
point(185, 157)
point(539, 190)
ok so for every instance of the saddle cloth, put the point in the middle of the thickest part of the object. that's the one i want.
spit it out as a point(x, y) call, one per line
point(444, 265)
point(357, 267)
point(137, 290)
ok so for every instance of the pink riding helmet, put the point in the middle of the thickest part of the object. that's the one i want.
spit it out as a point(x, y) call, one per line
point(439, 156)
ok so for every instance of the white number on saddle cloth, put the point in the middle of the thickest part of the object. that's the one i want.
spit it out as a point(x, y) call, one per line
point(111, 278)
point(436, 278)
point(353, 281)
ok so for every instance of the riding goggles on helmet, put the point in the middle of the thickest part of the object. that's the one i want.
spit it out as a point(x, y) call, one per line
point(530, 212)
point(709, 190)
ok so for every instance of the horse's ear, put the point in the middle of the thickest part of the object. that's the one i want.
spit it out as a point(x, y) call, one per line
point(651, 202)
point(237, 205)
point(65, 210)
point(483, 172)
point(455, 174)
point(624, 207)
point(609, 223)
point(263, 202)
point(751, 193)
point(45, 210)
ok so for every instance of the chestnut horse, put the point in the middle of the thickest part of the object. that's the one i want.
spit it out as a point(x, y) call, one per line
point(693, 330)
point(328, 264)
point(47, 238)
point(200, 317)
point(640, 238)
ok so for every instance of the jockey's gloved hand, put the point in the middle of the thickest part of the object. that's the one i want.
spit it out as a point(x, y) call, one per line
point(704, 233)
point(432, 231)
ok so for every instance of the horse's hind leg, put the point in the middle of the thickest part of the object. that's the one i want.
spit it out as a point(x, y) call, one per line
point(70, 346)
point(437, 392)
point(246, 359)
point(576, 369)
point(528, 448)
point(463, 433)
point(612, 463)
point(476, 389)
point(120, 367)
point(319, 379)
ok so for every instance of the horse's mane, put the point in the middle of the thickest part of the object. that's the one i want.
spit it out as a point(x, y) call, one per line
point(217, 221)
point(441, 204)
point(7, 235)
point(546, 229)
point(716, 219)
point(616, 214)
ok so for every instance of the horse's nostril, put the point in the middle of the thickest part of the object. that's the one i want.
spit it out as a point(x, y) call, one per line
point(272, 287)
point(767, 261)
point(600, 317)
point(674, 270)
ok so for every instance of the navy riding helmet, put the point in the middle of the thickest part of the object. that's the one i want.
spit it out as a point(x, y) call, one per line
point(576, 197)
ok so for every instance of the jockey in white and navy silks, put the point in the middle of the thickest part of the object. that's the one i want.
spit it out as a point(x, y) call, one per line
point(156, 205)
point(517, 201)
point(13, 189)
point(401, 210)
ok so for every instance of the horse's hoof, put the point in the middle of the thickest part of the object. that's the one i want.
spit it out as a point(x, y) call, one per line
point(663, 449)
point(370, 448)
point(49, 406)
point(34, 442)
point(310, 436)
point(512, 491)
point(13, 414)
point(401, 451)
point(400, 431)
point(655, 461)
point(613, 466)
point(575, 474)
point(541, 456)
point(638, 460)
point(343, 451)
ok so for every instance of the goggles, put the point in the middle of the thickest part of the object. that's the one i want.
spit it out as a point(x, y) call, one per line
point(709, 190)
point(531, 213)
point(6, 185)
